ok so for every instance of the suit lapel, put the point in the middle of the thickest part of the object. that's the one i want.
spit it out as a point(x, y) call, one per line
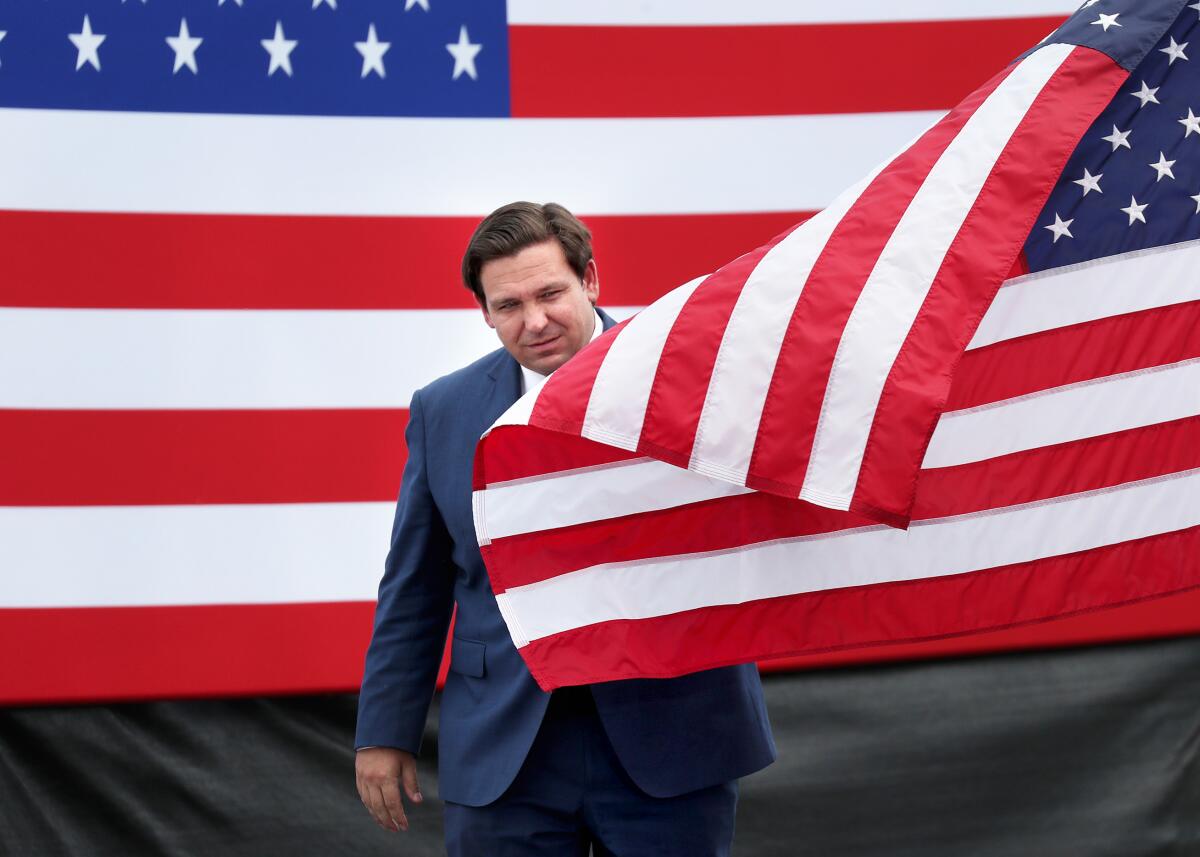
point(505, 374)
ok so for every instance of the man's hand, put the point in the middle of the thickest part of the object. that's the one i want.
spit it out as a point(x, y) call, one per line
point(379, 773)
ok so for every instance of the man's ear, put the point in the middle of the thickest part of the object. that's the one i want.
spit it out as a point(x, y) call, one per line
point(591, 282)
point(487, 317)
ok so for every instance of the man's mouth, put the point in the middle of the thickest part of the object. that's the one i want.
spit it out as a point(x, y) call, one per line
point(544, 344)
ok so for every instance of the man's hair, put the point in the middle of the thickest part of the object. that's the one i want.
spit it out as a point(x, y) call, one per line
point(511, 228)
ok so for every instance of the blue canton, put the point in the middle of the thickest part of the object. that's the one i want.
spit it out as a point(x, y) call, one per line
point(327, 57)
point(1134, 180)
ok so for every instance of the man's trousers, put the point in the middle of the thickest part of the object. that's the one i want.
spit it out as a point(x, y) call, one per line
point(572, 794)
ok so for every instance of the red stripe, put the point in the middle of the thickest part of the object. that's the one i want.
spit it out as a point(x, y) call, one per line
point(198, 261)
point(759, 70)
point(793, 404)
point(1155, 618)
point(975, 265)
point(1080, 352)
point(82, 458)
point(642, 257)
point(114, 653)
point(528, 452)
point(748, 519)
point(685, 365)
point(169, 457)
point(1065, 468)
point(881, 615)
point(164, 652)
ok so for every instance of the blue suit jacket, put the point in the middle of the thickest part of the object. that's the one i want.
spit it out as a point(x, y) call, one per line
point(672, 735)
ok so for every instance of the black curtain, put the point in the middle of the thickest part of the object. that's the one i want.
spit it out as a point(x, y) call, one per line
point(1077, 752)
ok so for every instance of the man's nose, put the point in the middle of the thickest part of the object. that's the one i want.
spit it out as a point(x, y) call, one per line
point(535, 319)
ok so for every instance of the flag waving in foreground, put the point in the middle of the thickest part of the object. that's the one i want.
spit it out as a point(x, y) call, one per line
point(964, 396)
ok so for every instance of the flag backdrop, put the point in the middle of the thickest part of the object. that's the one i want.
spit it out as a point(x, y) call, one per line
point(229, 237)
point(705, 484)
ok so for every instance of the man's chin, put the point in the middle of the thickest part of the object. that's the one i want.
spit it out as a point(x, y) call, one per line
point(545, 364)
point(547, 368)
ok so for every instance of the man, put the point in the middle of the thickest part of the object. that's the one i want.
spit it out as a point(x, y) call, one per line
point(630, 767)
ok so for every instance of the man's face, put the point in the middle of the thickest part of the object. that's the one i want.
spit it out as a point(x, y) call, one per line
point(540, 310)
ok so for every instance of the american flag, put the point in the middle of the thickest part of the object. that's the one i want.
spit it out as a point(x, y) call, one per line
point(229, 237)
point(993, 338)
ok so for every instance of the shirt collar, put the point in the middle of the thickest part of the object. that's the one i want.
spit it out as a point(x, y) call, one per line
point(531, 379)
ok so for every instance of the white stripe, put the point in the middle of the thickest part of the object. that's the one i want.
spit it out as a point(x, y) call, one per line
point(477, 515)
point(1064, 414)
point(511, 621)
point(72, 358)
point(745, 362)
point(281, 164)
point(722, 12)
point(591, 494)
point(1130, 282)
point(661, 587)
point(900, 281)
point(616, 409)
point(151, 555)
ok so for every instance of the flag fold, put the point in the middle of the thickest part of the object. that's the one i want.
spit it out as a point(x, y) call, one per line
point(902, 419)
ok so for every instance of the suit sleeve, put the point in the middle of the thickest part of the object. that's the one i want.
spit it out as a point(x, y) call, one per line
point(416, 596)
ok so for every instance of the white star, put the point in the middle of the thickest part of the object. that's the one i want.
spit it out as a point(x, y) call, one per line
point(464, 53)
point(1146, 95)
point(1195, 6)
point(3, 33)
point(87, 44)
point(1135, 211)
point(1174, 51)
point(372, 51)
point(280, 50)
point(1107, 21)
point(1197, 198)
point(222, 2)
point(184, 45)
point(1120, 138)
point(408, 4)
point(1089, 182)
point(1164, 167)
point(1060, 227)
point(1191, 123)
point(332, 3)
